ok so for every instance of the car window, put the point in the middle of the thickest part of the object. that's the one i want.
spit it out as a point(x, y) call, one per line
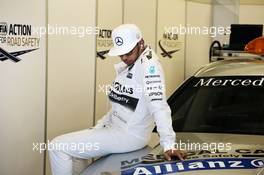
point(219, 105)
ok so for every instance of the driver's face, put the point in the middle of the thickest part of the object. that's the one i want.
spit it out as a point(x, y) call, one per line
point(131, 56)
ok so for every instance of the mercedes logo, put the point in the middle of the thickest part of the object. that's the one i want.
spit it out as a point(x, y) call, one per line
point(118, 41)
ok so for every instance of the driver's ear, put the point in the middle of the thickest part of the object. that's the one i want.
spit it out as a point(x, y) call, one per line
point(141, 44)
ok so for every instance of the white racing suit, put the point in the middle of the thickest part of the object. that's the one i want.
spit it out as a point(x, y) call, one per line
point(138, 102)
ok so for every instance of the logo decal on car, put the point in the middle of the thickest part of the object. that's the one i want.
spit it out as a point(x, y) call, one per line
point(191, 165)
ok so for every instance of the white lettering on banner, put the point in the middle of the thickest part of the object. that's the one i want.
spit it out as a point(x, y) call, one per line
point(235, 164)
point(213, 164)
point(157, 169)
point(115, 96)
point(199, 165)
point(142, 171)
point(195, 165)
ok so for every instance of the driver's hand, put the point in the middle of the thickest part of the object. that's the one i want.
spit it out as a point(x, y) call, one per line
point(180, 154)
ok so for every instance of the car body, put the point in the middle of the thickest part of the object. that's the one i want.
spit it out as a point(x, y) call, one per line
point(218, 117)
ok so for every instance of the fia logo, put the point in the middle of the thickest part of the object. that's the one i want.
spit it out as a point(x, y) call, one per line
point(3, 28)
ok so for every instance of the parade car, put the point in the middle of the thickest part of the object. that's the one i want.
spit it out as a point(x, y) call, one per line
point(218, 117)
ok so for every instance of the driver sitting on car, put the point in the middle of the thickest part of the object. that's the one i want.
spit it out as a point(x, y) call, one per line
point(138, 102)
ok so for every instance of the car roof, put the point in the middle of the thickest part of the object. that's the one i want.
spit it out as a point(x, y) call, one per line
point(233, 67)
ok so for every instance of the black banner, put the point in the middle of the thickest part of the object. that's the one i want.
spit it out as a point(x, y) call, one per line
point(123, 100)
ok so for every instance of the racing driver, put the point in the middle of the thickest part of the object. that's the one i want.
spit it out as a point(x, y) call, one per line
point(138, 102)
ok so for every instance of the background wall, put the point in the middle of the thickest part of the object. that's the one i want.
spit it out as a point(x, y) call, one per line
point(105, 72)
point(251, 14)
point(197, 46)
point(143, 14)
point(71, 69)
point(171, 14)
point(22, 89)
point(225, 12)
